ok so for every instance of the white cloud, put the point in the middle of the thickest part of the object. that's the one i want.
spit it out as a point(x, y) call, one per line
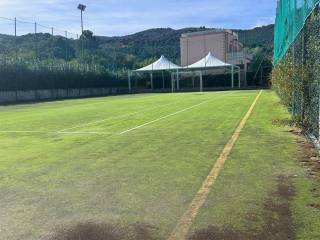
point(264, 21)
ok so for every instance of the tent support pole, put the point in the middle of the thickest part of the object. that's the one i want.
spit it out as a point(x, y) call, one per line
point(245, 72)
point(151, 79)
point(201, 82)
point(239, 76)
point(172, 83)
point(129, 80)
point(162, 80)
point(136, 83)
point(192, 80)
point(232, 76)
point(178, 80)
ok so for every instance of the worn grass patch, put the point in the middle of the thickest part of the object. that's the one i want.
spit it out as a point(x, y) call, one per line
point(277, 219)
point(103, 231)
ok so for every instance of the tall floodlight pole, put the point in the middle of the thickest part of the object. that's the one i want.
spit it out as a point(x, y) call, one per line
point(82, 8)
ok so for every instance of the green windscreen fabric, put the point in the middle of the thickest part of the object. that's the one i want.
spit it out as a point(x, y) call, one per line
point(290, 19)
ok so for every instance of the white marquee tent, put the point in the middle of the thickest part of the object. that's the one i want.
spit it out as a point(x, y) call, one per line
point(208, 63)
point(161, 65)
point(204, 65)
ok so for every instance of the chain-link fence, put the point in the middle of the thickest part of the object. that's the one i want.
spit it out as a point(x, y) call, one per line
point(35, 56)
point(297, 75)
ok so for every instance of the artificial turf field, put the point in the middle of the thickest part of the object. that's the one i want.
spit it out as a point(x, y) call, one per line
point(138, 161)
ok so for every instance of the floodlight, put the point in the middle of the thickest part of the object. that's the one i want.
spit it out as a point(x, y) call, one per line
point(82, 7)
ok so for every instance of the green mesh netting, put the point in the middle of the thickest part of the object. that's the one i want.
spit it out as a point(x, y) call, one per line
point(290, 19)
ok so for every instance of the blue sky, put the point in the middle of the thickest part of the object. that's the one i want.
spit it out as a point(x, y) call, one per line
point(121, 17)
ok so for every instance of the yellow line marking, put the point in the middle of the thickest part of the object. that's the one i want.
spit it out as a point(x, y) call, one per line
point(181, 230)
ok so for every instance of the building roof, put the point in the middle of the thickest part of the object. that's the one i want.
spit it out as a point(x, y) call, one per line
point(207, 32)
point(160, 65)
point(210, 61)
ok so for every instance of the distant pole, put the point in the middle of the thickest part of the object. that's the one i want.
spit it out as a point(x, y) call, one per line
point(15, 37)
point(193, 82)
point(15, 27)
point(172, 82)
point(162, 80)
point(82, 8)
point(261, 76)
point(35, 35)
point(239, 77)
point(66, 45)
point(201, 82)
point(178, 80)
point(52, 48)
point(151, 80)
point(129, 80)
point(81, 22)
point(232, 76)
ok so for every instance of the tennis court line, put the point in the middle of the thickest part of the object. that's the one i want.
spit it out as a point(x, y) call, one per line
point(14, 131)
point(172, 114)
point(110, 118)
point(68, 132)
point(53, 132)
point(181, 230)
point(122, 116)
point(164, 117)
point(94, 133)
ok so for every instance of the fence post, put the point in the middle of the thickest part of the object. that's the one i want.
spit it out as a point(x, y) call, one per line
point(302, 75)
point(66, 45)
point(36, 39)
point(15, 38)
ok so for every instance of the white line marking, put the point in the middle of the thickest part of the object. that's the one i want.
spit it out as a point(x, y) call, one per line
point(52, 132)
point(164, 117)
point(111, 118)
point(13, 131)
point(97, 133)
point(66, 132)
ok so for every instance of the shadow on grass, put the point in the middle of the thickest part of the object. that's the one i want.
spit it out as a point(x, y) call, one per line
point(103, 231)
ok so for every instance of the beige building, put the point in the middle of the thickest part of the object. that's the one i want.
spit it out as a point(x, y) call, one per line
point(224, 44)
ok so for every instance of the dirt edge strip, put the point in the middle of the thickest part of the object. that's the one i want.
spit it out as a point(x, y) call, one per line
point(181, 230)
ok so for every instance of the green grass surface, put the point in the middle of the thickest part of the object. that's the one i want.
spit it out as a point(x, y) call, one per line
point(74, 165)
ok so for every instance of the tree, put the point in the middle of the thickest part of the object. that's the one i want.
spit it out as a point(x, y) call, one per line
point(87, 34)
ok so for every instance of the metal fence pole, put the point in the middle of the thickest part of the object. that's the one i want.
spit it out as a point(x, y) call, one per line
point(66, 45)
point(15, 38)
